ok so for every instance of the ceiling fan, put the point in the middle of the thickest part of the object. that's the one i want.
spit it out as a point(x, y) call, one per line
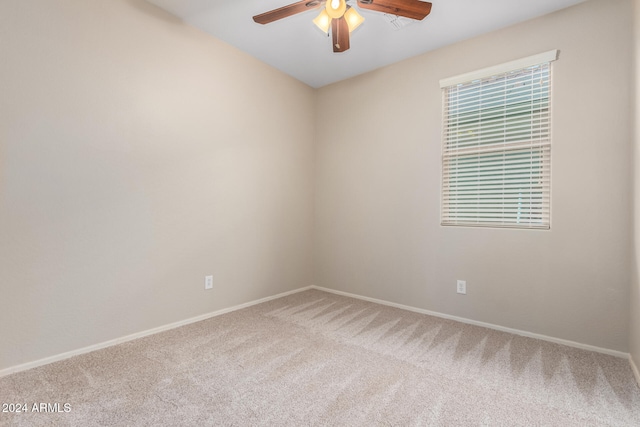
point(343, 18)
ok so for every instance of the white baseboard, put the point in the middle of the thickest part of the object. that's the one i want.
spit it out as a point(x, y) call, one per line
point(634, 368)
point(62, 356)
point(58, 357)
point(483, 324)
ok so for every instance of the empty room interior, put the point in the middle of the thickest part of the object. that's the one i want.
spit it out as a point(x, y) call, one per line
point(209, 219)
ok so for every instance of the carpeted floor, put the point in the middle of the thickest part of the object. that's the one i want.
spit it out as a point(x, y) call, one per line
point(315, 358)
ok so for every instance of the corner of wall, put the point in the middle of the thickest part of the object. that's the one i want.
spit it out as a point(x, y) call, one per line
point(634, 309)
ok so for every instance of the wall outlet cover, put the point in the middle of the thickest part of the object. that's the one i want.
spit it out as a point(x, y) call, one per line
point(462, 287)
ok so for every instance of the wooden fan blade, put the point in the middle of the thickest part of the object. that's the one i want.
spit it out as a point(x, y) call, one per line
point(340, 32)
point(414, 9)
point(284, 11)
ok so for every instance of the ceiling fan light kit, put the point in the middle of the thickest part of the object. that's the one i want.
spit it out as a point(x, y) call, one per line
point(342, 19)
point(323, 21)
point(353, 18)
point(336, 8)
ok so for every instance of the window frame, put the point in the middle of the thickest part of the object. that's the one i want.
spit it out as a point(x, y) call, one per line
point(451, 162)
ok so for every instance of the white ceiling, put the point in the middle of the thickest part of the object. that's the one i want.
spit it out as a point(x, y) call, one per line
point(297, 47)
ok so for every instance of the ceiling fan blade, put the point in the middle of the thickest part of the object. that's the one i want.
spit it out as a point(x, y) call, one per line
point(284, 11)
point(414, 9)
point(340, 32)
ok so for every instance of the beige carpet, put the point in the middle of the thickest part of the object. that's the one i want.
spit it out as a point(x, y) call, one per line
point(315, 358)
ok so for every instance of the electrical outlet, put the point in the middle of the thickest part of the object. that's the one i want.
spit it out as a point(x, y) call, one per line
point(208, 282)
point(462, 287)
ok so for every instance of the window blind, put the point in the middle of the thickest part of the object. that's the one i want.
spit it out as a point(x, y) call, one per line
point(496, 156)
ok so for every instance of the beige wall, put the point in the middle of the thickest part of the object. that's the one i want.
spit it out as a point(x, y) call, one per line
point(634, 333)
point(378, 197)
point(137, 156)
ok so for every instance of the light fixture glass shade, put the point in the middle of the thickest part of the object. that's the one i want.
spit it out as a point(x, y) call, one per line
point(353, 18)
point(336, 8)
point(323, 21)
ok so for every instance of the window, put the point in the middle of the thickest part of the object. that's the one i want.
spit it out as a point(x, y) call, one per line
point(496, 153)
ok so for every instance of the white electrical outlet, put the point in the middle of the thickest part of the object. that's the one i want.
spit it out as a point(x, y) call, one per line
point(462, 287)
point(208, 282)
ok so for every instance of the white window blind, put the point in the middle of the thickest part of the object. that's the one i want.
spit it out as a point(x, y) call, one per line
point(496, 156)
